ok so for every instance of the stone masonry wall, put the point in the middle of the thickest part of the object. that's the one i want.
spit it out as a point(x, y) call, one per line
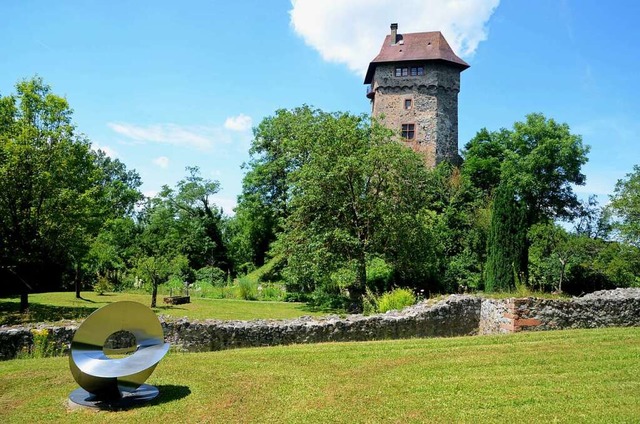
point(434, 108)
point(455, 316)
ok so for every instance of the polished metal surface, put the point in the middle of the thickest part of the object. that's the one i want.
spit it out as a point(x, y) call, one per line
point(106, 378)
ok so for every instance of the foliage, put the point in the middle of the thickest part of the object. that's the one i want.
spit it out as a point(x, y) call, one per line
point(625, 204)
point(540, 160)
point(102, 286)
point(379, 274)
point(396, 299)
point(55, 192)
point(248, 289)
point(506, 242)
point(211, 275)
point(43, 345)
point(357, 190)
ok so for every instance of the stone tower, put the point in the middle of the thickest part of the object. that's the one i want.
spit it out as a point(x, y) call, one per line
point(414, 84)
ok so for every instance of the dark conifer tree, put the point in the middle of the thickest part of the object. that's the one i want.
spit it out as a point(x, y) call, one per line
point(506, 244)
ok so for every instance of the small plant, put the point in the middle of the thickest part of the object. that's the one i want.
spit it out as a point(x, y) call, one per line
point(369, 303)
point(102, 286)
point(396, 299)
point(247, 288)
point(43, 345)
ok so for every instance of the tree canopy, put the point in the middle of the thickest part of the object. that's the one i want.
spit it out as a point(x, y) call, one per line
point(55, 191)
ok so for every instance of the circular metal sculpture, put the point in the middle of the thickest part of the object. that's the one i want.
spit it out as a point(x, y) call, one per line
point(116, 382)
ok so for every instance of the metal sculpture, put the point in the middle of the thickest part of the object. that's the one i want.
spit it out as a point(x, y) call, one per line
point(106, 381)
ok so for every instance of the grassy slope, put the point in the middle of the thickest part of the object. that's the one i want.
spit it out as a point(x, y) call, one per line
point(563, 376)
point(64, 305)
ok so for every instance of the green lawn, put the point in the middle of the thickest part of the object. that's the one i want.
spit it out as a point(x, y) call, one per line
point(563, 376)
point(63, 305)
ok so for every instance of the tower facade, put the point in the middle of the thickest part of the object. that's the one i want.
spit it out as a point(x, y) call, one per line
point(413, 86)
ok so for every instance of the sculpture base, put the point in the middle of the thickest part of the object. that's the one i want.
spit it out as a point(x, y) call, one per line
point(145, 393)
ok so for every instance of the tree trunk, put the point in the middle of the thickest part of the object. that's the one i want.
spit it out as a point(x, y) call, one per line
point(77, 283)
point(154, 294)
point(356, 291)
point(24, 301)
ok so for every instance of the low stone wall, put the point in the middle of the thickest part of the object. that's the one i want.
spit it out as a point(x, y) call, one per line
point(610, 308)
point(455, 316)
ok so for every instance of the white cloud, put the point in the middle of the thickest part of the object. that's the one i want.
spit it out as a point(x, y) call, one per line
point(226, 203)
point(150, 193)
point(351, 32)
point(162, 161)
point(109, 151)
point(240, 123)
point(201, 138)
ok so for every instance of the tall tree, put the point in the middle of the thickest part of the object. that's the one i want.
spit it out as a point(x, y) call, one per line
point(506, 252)
point(539, 158)
point(281, 144)
point(357, 190)
point(53, 189)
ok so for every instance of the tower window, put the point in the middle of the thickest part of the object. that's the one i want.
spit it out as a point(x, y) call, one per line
point(408, 103)
point(408, 131)
point(416, 70)
point(402, 72)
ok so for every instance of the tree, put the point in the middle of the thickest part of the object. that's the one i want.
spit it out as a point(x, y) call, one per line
point(53, 189)
point(279, 147)
point(539, 159)
point(357, 190)
point(506, 242)
point(158, 252)
point(625, 204)
point(199, 220)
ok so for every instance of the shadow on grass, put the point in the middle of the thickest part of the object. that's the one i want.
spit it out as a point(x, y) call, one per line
point(321, 309)
point(10, 313)
point(169, 393)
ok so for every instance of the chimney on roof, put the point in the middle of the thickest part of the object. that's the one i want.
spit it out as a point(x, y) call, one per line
point(394, 33)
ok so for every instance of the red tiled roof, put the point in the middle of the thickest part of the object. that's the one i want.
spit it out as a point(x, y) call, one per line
point(415, 47)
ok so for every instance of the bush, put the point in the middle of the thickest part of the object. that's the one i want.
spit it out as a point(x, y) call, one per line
point(247, 288)
point(212, 275)
point(271, 291)
point(102, 286)
point(396, 299)
point(379, 274)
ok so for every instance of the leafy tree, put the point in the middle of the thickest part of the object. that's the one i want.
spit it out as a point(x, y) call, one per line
point(625, 204)
point(55, 192)
point(279, 147)
point(199, 220)
point(540, 160)
point(112, 251)
point(553, 253)
point(356, 191)
point(158, 252)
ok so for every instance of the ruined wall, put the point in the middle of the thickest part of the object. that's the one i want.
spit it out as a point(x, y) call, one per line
point(455, 316)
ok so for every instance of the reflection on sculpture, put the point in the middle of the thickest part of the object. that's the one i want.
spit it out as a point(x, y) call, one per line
point(107, 381)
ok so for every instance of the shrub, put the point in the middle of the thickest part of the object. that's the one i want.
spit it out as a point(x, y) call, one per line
point(247, 288)
point(396, 299)
point(102, 286)
point(271, 291)
point(212, 275)
point(379, 274)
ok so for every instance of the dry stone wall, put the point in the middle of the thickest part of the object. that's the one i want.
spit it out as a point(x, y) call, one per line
point(455, 316)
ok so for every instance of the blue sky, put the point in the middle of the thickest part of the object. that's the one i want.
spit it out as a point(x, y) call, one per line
point(163, 85)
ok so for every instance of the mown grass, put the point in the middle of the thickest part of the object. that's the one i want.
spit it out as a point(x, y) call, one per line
point(563, 376)
point(56, 306)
